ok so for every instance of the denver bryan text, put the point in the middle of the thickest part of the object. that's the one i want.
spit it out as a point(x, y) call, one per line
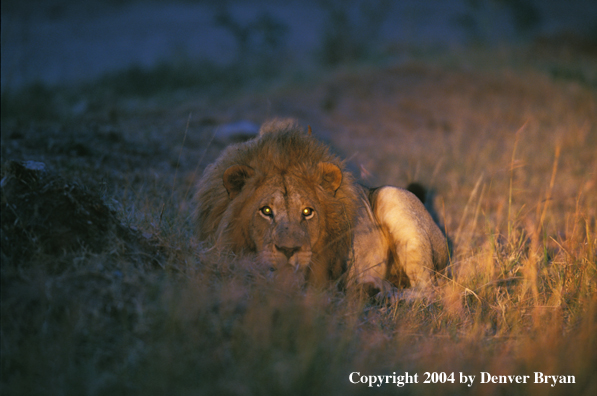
point(540, 378)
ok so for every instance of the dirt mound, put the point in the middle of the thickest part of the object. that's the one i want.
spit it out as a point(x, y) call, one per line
point(42, 213)
point(66, 258)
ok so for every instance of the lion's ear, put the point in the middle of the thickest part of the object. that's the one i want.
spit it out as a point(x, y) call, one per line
point(235, 178)
point(331, 176)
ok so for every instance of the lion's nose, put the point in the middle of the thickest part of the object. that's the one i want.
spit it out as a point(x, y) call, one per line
point(288, 251)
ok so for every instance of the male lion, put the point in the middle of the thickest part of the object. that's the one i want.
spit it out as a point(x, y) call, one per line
point(284, 198)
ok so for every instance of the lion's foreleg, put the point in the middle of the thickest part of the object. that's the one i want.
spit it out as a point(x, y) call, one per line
point(400, 215)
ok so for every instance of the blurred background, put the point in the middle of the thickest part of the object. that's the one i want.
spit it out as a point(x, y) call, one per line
point(65, 41)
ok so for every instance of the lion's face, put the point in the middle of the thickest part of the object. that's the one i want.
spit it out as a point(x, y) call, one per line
point(284, 198)
point(285, 222)
point(280, 215)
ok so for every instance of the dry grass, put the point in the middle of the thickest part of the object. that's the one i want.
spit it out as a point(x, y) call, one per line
point(511, 157)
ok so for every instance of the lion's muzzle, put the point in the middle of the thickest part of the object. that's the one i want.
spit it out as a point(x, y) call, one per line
point(291, 245)
point(288, 251)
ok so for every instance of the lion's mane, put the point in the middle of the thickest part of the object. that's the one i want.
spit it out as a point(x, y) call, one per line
point(281, 148)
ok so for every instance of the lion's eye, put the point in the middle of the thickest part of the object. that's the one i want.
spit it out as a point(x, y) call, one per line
point(307, 213)
point(267, 211)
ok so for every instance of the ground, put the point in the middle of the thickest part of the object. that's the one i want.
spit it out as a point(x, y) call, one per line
point(105, 288)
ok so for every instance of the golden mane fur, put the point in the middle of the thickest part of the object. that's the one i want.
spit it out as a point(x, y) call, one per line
point(281, 149)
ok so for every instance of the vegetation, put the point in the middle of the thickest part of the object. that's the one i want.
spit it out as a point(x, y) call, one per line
point(105, 290)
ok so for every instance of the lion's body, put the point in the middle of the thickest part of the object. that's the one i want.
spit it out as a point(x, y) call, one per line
point(286, 199)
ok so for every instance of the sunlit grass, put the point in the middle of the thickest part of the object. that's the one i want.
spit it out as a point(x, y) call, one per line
point(511, 158)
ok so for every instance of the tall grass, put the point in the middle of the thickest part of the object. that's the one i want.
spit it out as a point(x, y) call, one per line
point(518, 202)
